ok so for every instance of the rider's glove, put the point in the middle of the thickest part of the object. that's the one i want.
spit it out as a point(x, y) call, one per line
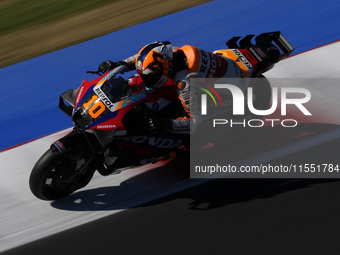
point(109, 65)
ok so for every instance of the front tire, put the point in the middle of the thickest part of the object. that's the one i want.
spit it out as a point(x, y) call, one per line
point(56, 176)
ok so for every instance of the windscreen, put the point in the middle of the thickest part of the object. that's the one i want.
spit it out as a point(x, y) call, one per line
point(115, 89)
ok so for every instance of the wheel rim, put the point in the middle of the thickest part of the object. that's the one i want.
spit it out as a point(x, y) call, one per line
point(64, 176)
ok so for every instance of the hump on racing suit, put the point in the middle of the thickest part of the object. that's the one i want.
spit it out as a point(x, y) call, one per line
point(206, 64)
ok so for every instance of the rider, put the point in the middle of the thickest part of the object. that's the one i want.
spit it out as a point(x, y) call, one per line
point(158, 62)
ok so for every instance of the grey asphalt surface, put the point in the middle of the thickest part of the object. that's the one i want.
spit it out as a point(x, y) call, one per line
point(225, 216)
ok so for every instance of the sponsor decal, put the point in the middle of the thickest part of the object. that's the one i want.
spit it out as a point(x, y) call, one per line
point(243, 59)
point(204, 61)
point(79, 94)
point(260, 52)
point(208, 63)
point(255, 54)
point(106, 126)
point(104, 99)
point(212, 65)
point(59, 146)
point(186, 98)
point(162, 143)
point(139, 65)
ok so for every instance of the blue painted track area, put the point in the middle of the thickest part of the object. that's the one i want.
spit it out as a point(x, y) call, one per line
point(30, 90)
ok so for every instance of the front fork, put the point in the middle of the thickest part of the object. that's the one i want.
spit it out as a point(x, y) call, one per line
point(76, 147)
point(73, 144)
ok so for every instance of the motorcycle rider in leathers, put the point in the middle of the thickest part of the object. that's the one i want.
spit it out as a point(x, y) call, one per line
point(159, 61)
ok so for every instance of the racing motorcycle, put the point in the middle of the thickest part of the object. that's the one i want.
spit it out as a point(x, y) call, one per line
point(110, 130)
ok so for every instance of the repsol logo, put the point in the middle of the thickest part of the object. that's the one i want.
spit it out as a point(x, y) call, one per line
point(104, 99)
point(162, 143)
point(243, 59)
point(204, 61)
point(213, 66)
point(209, 63)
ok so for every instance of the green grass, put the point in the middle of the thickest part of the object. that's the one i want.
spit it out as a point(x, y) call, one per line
point(27, 13)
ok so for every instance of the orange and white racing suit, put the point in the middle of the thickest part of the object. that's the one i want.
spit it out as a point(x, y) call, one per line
point(199, 64)
point(191, 62)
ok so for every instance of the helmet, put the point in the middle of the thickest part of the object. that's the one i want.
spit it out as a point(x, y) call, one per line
point(154, 63)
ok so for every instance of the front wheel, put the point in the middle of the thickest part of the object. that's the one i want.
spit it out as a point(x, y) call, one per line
point(56, 176)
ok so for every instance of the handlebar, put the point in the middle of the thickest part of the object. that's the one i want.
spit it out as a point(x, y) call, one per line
point(94, 72)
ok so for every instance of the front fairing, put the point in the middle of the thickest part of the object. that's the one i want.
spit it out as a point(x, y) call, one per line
point(101, 104)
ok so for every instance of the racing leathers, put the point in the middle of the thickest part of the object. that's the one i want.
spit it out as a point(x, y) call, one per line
point(189, 62)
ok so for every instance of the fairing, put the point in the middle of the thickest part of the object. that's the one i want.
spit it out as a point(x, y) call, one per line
point(102, 103)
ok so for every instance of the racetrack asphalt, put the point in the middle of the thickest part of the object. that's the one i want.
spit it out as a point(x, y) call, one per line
point(225, 216)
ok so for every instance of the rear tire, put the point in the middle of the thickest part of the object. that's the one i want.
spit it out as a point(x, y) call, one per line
point(56, 176)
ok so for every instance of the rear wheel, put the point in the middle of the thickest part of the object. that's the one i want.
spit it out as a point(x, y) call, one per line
point(56, 176)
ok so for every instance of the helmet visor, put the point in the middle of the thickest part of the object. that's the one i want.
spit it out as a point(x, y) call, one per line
point(151, 80)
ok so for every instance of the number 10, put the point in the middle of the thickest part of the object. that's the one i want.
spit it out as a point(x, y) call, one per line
point(96, 109)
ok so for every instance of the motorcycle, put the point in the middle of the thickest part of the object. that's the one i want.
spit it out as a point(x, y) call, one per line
point(110, 132)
